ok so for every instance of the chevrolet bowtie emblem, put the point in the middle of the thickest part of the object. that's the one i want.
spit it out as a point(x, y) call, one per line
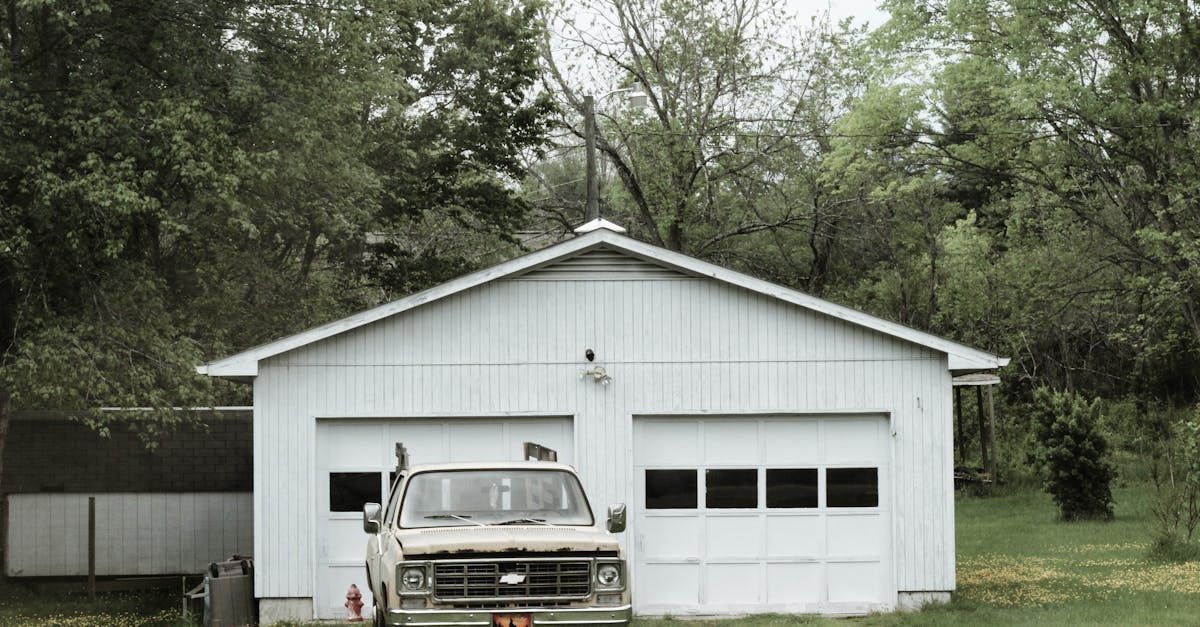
point(513, 579)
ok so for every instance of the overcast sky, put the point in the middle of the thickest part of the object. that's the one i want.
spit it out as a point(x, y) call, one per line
point(583, 71)
point(860, 10)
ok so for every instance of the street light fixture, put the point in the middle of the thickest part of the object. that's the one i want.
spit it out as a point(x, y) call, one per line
point(636, 98)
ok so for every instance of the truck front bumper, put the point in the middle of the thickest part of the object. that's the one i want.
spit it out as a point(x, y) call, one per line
point(617, 615)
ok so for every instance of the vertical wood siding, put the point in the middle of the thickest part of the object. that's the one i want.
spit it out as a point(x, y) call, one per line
point(136, 534)
point(673, 345)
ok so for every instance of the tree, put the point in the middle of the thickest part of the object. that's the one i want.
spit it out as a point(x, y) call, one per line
point(1082, 116)
point(179, 180)
point(1175, 472)
point(735, 117)
point(1074, 455)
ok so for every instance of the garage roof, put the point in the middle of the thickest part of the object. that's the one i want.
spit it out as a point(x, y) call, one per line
point(596, 234)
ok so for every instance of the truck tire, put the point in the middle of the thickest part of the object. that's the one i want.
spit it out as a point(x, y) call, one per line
point(380, 618)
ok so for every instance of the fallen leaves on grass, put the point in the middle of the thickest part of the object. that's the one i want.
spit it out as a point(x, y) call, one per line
point(108, 619)
point(1012, 581)
point(1183, 578)
point(1088, 549)
point(1009, 581)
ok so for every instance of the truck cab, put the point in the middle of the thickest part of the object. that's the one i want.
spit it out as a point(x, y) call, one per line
point(509, 544)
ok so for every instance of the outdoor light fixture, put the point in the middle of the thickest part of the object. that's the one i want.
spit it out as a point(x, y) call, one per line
point(597, 374)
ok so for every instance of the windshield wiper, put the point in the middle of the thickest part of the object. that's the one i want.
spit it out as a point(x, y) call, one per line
point(466, 519)
point(526, 521)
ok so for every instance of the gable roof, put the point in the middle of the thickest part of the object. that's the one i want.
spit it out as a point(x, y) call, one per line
point(244, 365)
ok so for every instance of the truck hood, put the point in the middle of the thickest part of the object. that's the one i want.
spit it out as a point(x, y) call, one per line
point(442, 541)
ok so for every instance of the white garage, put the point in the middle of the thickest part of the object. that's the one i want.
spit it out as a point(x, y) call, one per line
point(749, 514)
point(778, 452)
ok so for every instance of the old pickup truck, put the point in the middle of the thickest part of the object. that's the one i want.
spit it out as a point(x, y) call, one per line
point(509, 544)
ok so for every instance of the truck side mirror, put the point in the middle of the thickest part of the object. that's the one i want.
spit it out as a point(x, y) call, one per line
point(371, 518)
point(616, 518)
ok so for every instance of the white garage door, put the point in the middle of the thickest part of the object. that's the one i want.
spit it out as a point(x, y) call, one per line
point(355, 459)
point(749, 514)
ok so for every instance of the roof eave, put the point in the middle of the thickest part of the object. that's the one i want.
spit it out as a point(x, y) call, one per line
point(244, 365)
point(966, 357)
point(965, 364)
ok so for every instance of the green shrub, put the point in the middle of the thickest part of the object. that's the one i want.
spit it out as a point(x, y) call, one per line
point(1172, 549)
point(1175, 471)
point(1073, 454)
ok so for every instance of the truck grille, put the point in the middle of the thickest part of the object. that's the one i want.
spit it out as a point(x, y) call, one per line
point(538, 579)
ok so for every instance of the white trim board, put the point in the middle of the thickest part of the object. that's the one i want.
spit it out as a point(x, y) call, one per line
point(961, 358)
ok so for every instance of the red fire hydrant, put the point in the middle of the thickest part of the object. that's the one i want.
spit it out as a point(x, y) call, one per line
point(354, 603)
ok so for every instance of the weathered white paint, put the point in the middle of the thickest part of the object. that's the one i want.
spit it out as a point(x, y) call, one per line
point(913, 601)
point(683, 345)
point(598, 264)
point(271, 611)
point(136, 533)
point(369, 446)
point(599, 223)
point(759, 559)
point(246, 364)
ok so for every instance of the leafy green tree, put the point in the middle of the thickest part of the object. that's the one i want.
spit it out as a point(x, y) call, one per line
point(1073, 123)
point(1074, 455)
point(179, 180)
point(739, 101)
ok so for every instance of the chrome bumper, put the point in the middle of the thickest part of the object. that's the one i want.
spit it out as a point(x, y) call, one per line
point(617, 615)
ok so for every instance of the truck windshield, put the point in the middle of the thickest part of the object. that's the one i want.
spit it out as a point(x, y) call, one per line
point(464, 498)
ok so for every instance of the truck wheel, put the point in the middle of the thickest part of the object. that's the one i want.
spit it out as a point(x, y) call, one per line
point(380, 619)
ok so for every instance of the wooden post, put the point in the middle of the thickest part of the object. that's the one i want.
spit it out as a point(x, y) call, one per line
point(589, 138)
point(991, 410)
point(91, 547)
point(983, 439)
point(960, 451)
point(5, 416)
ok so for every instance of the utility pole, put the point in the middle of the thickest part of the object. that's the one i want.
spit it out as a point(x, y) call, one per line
point(589, 137)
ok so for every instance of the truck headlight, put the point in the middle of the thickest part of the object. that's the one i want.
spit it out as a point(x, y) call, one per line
point(608, 575)
point(412, 578)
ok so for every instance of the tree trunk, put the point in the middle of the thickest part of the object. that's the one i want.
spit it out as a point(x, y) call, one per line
point(5, 410)
point(310, 252)
point(675, 236)
point(820, 243)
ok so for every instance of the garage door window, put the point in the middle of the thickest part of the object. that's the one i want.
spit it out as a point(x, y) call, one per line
point(349, 491)
point(791, 488)
point(852, 487)
point(729, 489)
point(670, 489)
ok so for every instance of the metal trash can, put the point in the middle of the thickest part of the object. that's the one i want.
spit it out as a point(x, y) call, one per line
point(226, 594)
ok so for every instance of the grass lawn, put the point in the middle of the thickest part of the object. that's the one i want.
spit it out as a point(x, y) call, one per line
point(1016, 565)
point(21, 606)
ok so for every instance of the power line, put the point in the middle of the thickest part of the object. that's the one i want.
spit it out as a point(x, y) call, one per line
point(1046, 133)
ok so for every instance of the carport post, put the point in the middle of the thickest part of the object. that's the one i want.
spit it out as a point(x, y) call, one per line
point(91, 547)
point(958, 437)
point(983, 432)
point(992, 436)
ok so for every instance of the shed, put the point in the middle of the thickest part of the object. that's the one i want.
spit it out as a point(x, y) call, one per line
point(779, 453)
point(167, 511)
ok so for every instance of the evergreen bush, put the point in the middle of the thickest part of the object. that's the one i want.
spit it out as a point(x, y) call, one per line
point(1074, 455)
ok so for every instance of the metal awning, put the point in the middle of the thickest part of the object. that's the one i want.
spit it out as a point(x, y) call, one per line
point(978, 378)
